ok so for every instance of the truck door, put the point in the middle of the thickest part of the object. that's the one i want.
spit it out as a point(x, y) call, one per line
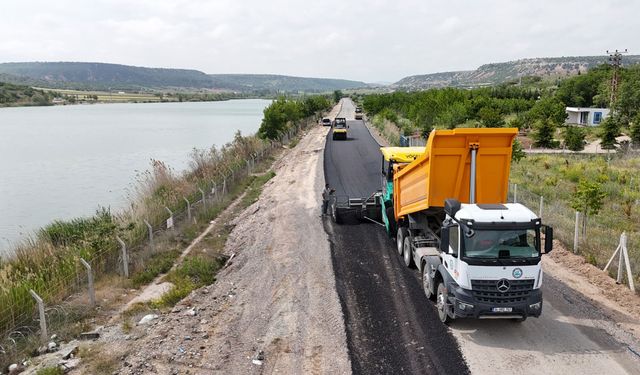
point(450, 259)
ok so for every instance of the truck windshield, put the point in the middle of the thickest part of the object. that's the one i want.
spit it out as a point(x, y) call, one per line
point(515, 243)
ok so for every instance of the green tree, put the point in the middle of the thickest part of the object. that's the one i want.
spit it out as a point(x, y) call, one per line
point(337, 95)
point(610, 129)
point(588, 199)
point(518, 122)
point(544, 131)
point(628, 103)
point(491, 117)
point(574, 138)
point(517, 153)
point(635, 131)
point(549, 108)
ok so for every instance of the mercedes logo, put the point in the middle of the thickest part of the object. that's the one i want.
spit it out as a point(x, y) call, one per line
point(503, 285)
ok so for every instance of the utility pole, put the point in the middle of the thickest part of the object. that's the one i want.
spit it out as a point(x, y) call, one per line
point(615, 59)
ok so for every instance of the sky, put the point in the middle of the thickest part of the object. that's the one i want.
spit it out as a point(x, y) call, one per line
point(371, 41)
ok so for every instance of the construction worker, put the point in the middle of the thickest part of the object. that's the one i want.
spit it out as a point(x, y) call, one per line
point(326, 196)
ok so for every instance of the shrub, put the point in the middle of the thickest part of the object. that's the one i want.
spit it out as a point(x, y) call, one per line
point(574, 138)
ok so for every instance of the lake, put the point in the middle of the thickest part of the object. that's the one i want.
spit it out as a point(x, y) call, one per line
point(65, 161)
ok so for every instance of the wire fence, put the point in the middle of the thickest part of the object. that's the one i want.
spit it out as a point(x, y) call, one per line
point(20, 319)
point(593, 239)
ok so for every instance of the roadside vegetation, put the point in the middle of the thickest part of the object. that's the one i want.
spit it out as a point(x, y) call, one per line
point(606, 190)
point(49, 262)
point(282, 115)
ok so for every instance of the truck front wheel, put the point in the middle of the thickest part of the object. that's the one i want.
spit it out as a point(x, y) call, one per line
point(426, 282)
point(441, 303)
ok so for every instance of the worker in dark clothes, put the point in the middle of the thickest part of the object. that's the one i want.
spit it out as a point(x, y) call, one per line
point(326, 196)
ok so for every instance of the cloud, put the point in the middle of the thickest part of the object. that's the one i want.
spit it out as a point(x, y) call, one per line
point(367, 40)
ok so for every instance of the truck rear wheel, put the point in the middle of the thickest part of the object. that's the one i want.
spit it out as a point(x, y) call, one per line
point(441, 303)
point(402, 233)
point(407, 256)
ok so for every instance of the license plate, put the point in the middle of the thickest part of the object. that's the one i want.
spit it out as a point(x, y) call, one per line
point(502, 309)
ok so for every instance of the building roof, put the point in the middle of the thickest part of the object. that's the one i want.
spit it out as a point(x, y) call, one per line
point(586, 109)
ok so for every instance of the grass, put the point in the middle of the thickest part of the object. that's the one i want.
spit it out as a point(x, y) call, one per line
point(255, 189)
point(195, 272)
point(158, 264)
point(98, 361)
point(556, 177)
point(389, 131)
point(50, 371)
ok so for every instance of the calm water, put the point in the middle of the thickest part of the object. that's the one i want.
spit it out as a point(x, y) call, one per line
point(65, 161)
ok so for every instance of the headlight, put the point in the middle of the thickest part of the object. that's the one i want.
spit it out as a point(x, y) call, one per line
point(535, 306)
point(464, 306)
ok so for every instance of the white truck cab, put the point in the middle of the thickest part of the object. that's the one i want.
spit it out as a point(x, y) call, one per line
point(488, 264)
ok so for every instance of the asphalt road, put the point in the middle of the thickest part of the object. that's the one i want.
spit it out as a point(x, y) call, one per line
point(391, 327)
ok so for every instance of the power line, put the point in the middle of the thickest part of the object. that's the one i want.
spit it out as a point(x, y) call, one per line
point(615, 59)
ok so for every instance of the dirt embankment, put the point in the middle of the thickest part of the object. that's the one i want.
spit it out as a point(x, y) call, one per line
point(274, 309)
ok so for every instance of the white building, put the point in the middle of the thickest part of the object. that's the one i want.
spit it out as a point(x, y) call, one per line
point(586, 116)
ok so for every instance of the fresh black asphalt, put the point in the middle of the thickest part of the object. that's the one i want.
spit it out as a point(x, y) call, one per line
point(391, 326)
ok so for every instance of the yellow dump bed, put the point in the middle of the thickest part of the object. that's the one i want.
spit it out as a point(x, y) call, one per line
point(443, 170)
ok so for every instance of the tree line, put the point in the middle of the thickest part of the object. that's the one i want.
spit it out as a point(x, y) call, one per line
point(532, 105)
point(283, 112)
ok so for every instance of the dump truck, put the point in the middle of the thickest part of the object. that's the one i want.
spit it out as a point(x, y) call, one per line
point(358, 114)
point(339, 128)
point(446, 206)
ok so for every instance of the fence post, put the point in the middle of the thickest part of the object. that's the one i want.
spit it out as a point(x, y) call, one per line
point(150, 228)
point(623, 256)
point(541, 204)
point(170, 219)
point(625, 252)
point(515, 193)
point(214, 190)
point(43, 318)
point(620, 260)
point(204, 198)
point(188, 208)
point(575, 232)
point(248, 167)
point(92, 292)
point(224, 186)
point(125, 257)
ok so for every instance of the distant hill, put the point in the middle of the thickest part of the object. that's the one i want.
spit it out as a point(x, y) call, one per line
point(490, 74)
point(271, 82)
point(101, 76)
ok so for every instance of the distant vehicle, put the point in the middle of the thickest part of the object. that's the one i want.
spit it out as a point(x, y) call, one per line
point(358, 113)
point(340, 128)
point(326, 121)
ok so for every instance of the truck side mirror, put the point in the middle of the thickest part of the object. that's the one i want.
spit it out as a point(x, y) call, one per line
point(548, 239)
point(444, 239)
